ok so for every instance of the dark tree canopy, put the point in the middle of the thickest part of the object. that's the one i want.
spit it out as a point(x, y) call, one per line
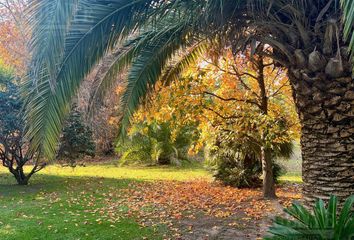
point(13, 145)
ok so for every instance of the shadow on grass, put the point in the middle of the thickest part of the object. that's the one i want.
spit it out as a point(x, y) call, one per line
point(49, 182)
point(66, 207)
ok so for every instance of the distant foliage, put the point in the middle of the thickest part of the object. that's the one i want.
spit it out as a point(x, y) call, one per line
point(324, 223)
point(154, 143)
point(103, 114)
point(13, 38)
point(76, 140)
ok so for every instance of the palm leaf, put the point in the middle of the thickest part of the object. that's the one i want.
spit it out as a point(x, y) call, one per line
point(299, 227)
point(284, 232)
point(49, 20)
point(300, 213)
point(332, 211)
point(321, 216)
point(126, 54)
point(147, 68)
point(173, 71)
point(95, 28)
point(348, 18)
point(98, 26)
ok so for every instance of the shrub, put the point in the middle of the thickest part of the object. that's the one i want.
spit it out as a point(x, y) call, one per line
point(76, 140)
point(323, 223)
point(236, 161)
point(236, 174)
point(153, 143)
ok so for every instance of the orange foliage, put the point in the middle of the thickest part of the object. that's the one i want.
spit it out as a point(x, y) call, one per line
point(213, 94)
point(13, 38)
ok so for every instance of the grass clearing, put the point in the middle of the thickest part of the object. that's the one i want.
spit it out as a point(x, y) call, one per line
point(66, 203)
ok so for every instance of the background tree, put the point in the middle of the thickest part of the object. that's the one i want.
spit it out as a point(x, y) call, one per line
point(311, 39)
point(13, 145)
point(103, 120)
point(76, 140)
point(13, 36)
point(242, 100)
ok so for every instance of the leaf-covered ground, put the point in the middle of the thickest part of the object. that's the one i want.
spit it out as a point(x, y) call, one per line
point(106, 202)
point(202, 209)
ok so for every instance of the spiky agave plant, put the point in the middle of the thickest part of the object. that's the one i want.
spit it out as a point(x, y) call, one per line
point(323, 224)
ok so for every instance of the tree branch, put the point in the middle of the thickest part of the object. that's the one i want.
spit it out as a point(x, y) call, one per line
point(220, 115)
point(232, 99)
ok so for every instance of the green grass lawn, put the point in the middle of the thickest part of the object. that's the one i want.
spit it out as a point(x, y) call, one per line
point(66, 203)
point(62, 203)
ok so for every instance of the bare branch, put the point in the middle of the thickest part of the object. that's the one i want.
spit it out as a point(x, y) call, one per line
point(232, 99)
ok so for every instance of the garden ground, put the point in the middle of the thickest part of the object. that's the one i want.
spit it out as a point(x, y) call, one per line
point(107, 202)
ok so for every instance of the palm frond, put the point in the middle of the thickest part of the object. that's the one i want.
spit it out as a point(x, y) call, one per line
point(70, 37)
point(147, 68)
point(173, 71)
point(91, 29)
point(348, 18)
point(49, 22)
point(94, 29)
point(122, 59)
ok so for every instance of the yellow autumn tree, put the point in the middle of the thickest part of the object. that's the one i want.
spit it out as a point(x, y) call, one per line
point(243, 99)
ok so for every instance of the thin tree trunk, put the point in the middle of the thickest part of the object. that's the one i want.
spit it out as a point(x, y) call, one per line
point(268, 177)
point(266, 154)
point(326, 112)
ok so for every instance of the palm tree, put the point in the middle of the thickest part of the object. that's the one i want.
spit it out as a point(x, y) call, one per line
point(312, 39)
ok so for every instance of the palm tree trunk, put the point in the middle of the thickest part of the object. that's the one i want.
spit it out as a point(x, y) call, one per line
point(326, 112)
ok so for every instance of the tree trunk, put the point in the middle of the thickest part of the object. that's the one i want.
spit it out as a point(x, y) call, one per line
point(163, 161)
point(266, 154)
point(20, 176)
point(326, 112)
point(268, 177)
point(22, 181)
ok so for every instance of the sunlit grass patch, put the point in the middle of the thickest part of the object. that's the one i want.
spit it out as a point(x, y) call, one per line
point(111, 171)
point(291, 177)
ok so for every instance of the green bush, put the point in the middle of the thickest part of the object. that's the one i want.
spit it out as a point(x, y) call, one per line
point(153, 144)
point(323, 224)
point(76, 140)
point(236, 174)
point(236, 161)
